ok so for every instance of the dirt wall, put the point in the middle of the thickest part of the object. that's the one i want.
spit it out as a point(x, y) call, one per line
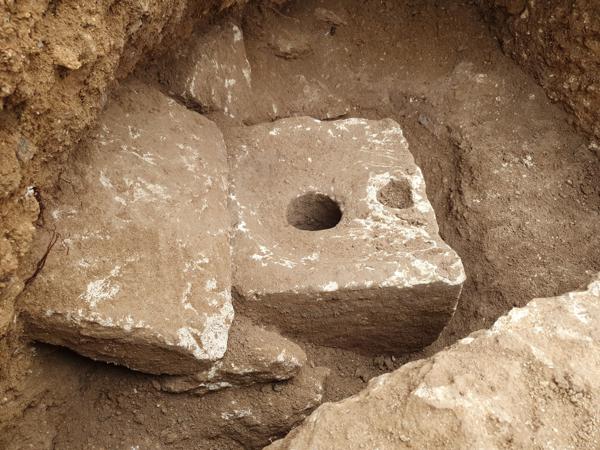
point(558, 42)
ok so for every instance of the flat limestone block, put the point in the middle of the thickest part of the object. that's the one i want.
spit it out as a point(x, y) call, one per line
point(253, 355)
point(335, 241)
point(531, 381)
point(140, 272)
point(213, 71)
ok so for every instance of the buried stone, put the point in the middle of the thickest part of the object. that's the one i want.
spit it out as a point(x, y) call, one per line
point(347, 239)
point(253, 355)
point(213, 72)
point(140, 272)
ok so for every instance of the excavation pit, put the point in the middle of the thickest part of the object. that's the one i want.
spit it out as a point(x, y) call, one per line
point(381, 271)
point(512, 177)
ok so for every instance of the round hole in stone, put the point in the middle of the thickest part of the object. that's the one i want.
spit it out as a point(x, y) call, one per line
point(313, 211)
point(396, 194)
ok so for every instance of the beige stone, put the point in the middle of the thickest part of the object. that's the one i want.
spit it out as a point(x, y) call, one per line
point(304, 97)
point(290, 43)
point(531, 381)
point(213, 72)
point(253, 355)
point(335, 241)
point(313, 98)
point(140, 271)
point(263, 413)
point(330, 17)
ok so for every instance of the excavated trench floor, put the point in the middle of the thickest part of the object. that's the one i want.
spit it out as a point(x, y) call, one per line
point(511, 181)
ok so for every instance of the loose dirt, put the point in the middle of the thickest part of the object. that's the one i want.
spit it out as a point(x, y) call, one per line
point(513, 185)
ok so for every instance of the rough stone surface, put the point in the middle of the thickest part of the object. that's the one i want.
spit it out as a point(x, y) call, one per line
point(140, 271)
point(382, 272)
point(287, 90)
point(290, 41)
point(58, 63)
point(253, 355)
point(263, 414)
point(213, 72)
point(531, 381)
point(559, 43)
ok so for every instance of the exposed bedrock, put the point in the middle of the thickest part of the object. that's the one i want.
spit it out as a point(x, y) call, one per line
point(531, 381)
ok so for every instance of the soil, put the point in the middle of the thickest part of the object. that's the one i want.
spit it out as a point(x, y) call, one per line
point(512, 181)
point(559, 44)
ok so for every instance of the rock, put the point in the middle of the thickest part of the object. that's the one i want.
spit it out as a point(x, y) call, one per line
point(309, 97)
point(290, 43)
point(213, 72)
point(10, 173)
point(139, 273)
point(25, 150)
point(362, 373)
point(253, 355)
point(513, 7)
point(318, 100)
point(335, 241)
point(384, 363)
point(289, 39)
point(66, 57)
point(54, 108)
point(531, 381)
point(257, 417)
point(330, 17)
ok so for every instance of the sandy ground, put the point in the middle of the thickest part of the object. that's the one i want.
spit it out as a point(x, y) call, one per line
point(512, 183)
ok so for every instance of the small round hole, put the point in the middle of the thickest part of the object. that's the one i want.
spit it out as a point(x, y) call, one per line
point(396, 194)
point(313, 212)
